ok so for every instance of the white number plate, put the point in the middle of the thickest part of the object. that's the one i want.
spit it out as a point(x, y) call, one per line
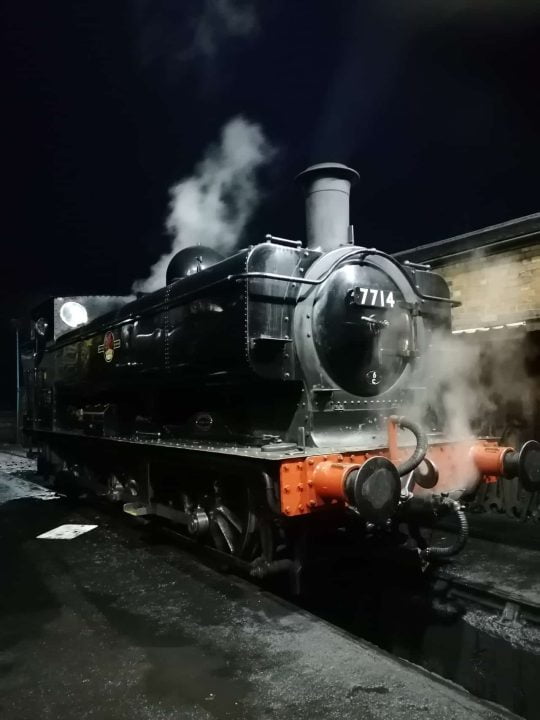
point(374, 297)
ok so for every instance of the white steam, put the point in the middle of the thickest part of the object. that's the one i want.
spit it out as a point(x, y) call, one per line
point(196, 35)
point(452, 371)
point(473, 385)
point(221, 20)
point(479, 380)
point(477, 383)
point(453, 400)
point(213, 206)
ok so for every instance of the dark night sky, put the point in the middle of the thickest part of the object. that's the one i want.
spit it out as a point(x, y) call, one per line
point(106, 104)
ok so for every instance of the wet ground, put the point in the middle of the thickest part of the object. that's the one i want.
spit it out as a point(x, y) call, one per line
point(116, 624)
point(474, 620)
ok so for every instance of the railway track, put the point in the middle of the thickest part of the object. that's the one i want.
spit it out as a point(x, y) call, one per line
point(468, 607)
point(489, 572)
point(499, 577)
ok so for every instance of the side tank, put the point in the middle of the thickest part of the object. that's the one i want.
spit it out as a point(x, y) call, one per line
point(168, 353)
point(227, 320)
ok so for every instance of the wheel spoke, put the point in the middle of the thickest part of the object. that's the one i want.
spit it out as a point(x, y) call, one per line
point(186, 501)
point(216, 536)
point(231, 517)
point(225, 531)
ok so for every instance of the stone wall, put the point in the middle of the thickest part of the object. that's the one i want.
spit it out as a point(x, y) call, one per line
point(494, 289)
point(501, 291)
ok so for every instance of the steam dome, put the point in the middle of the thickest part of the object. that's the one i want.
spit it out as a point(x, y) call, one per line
point(191, 260)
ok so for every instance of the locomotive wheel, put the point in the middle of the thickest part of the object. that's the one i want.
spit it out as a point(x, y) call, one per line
point(65, 482)
point(227, 519)
point(233, 524)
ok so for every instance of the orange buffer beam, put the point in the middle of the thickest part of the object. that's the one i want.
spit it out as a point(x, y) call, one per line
point(311, 483)
point(317, 481)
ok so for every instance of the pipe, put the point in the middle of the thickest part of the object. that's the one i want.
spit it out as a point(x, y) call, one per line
point(421, 295)
point(271, 499)
point(282, 241)
point(18, 381)
point(327, 187)
point(459, 543)
point(261, 568)
point(421, 443)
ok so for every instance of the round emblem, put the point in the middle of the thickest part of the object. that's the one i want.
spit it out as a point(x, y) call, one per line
point(108, 346)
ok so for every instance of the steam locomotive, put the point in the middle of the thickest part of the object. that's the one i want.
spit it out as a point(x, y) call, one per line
point(259, 396)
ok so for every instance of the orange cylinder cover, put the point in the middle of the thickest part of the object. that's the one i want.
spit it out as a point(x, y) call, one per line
point(489, 458)
point(329, 479)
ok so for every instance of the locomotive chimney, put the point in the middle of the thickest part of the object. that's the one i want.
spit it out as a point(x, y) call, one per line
point(327, 187)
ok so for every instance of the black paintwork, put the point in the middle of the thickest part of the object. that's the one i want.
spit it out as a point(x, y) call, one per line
point(246, 350)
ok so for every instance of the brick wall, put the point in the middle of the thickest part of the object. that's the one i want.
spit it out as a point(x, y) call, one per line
point(494, 288)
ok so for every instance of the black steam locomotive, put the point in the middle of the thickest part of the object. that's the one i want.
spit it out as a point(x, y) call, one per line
point(256, 396)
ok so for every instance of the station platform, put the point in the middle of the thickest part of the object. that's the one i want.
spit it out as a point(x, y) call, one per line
point(115, 623)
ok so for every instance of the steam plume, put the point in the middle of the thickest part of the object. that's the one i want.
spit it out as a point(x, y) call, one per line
point(221, 19)
point(479, 377)
point(213, 206)
point(452, 373)
point(194, 35)
point(475, 390)
point(469, 384)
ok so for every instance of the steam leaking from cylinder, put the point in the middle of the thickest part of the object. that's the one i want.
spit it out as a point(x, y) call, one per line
point(214, 205)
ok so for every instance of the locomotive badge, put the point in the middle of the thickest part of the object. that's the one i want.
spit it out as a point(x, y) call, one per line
point(108, 346)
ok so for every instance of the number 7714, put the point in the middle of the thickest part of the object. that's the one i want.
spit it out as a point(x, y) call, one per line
point(384, 299)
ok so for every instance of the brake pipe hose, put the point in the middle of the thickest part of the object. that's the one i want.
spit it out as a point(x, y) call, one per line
point(435, 552)
point(421, 443)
